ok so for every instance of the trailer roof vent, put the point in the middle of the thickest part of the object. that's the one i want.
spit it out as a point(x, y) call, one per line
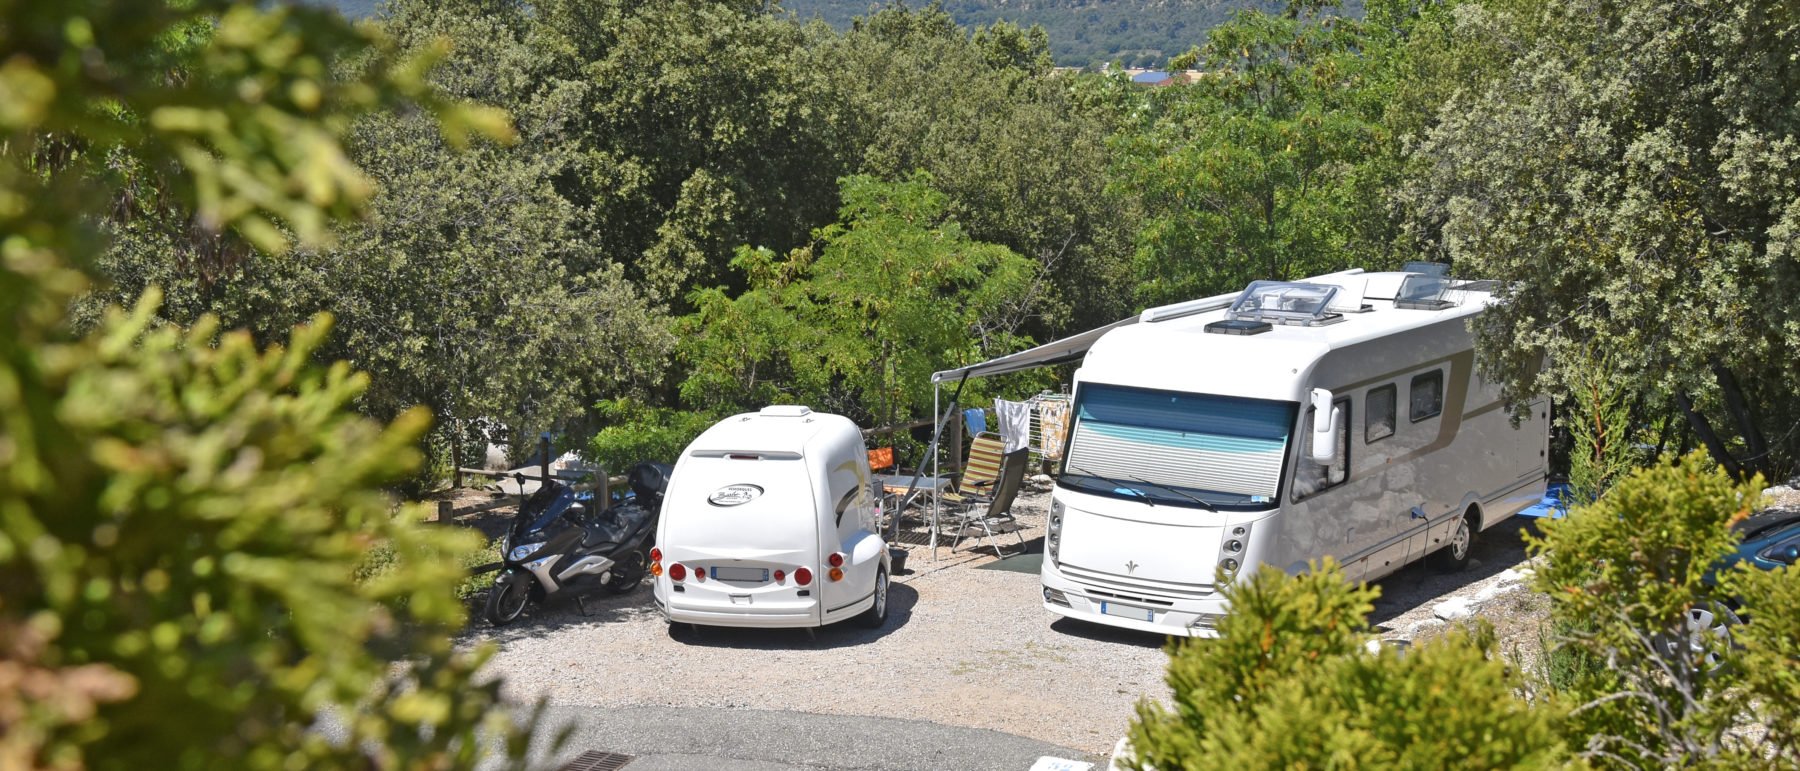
point(785, 411)
point(1421, 292)
point(1284, 302)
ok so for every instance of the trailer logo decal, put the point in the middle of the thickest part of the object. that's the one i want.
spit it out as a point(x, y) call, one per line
point(734, 495)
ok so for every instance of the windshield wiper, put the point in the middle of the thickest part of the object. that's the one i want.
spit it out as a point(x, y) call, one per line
point(1111, 481)
point(1209, 507)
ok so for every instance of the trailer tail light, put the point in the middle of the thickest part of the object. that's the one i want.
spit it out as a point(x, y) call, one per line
point(836, 574)
point(802, 576)
point(678, 572)
point(656, 568)
point(656, 555)
point(836, 560)
point(780, 575)
point(699, 574)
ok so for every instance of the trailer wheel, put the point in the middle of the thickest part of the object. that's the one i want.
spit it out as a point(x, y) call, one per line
point(1455, 555)
point(877, 614)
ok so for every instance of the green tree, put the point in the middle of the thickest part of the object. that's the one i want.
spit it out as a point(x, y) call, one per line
point(1269, 165)
point(185, 514)
point(1288, 684)
point(897, 291)
point(1629, 170)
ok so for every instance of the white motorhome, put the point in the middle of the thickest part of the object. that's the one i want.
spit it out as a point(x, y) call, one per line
point(1341, 415)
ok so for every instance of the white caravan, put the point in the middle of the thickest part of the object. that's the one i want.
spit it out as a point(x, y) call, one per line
point(1341, 415)
point(769, 521)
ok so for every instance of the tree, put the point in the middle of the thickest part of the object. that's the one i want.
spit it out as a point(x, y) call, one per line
point(897, 291)
point(186, 514)
point(1288, 684)
point(1268, 165)
point(1628, 170)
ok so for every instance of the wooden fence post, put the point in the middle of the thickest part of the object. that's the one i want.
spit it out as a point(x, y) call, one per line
point(544, 449)
point(443, 512)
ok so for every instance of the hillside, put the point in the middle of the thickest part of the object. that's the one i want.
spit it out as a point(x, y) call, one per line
point(1137, 33)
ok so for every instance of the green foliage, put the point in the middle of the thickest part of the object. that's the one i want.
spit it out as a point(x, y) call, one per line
point(184, 513)
point(1599, 421)
point(1769, 664)
point(1288, 684)
point(636, 432)
point(1269, 165)
point(897, 291)
point(1629, 168)
point(1623, 573)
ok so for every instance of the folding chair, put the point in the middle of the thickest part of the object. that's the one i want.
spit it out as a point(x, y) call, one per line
point(984, 498)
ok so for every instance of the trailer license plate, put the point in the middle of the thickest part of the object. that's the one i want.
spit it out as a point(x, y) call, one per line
point(1132, 612)
point(741, 575)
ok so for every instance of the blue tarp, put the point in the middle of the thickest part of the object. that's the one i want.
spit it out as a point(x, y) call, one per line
point(1150, 77)
point(1554, 504)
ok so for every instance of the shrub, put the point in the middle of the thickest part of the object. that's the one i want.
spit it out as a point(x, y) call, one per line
point(1288, 684)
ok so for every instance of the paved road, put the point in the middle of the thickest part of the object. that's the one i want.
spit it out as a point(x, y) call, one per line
point(665, 738)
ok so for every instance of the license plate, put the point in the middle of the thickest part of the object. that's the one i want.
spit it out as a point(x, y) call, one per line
point(741, 575)
point(1132, 612)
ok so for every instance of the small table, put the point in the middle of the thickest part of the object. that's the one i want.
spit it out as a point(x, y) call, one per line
point(895, 486)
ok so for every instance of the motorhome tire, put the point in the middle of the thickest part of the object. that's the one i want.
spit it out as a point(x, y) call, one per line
point(877, 614)
point(506, 602)
point(1455, 554)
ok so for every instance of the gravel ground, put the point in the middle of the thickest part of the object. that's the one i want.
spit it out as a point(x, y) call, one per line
point(962, 647)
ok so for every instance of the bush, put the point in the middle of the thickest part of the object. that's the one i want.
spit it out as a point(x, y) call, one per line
point(1623, 574)
point(1289, 684)
point(637, 432)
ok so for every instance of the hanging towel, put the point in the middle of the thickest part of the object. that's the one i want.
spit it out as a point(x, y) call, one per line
point(976, 418)
point(1053, 424)
point(1015, 424)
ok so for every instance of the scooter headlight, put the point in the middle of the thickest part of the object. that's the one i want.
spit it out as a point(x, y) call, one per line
point(525, 550)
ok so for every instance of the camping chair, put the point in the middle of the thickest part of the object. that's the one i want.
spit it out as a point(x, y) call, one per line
point(984, 498)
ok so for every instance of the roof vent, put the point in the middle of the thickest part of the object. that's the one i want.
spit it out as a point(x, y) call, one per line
point(785, 411)
point(1286, 302)
point(1439, 269)
point(1238, 327)
point(1422, 292)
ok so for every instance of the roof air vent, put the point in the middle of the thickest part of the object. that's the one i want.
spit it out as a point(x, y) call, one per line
point(1439, 269)
point(1285, 302)
point(1421, 292)
point(1238, 327)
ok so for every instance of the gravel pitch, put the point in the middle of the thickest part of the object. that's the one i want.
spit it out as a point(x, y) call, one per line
point(962, 647)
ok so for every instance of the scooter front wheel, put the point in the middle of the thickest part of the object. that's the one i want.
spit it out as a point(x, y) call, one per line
point(506, 601)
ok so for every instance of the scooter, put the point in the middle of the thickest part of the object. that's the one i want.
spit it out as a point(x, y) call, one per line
point(556, 539)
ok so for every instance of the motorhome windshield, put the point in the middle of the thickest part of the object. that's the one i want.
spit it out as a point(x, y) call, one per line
point(1177, 449)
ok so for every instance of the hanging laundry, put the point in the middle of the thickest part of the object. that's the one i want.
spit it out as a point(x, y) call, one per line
point(1053, 426)
point(1015, 424)
point(976, 418)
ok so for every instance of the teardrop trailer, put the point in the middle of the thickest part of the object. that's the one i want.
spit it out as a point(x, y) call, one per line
point(1341, 415)
point(770, 521)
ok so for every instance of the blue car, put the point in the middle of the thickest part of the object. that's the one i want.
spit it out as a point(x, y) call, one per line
point(1768, 541)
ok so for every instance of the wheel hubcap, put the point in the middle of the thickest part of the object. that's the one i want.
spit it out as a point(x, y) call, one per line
point(881, 586)
point(1459, 541)
point(512, 601)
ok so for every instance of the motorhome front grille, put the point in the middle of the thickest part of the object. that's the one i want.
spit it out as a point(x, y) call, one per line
point(1136, 587)
point(1106, 595)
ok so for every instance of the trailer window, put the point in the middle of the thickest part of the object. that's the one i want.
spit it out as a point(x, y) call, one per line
point(1427, 395)
point(1310, 477)
point(1380, 413)
point(1178, 449)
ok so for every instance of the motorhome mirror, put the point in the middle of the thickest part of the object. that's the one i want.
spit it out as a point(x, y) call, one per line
point(1324, 428)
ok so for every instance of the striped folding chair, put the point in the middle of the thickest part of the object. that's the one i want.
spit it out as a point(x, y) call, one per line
point(966, 507)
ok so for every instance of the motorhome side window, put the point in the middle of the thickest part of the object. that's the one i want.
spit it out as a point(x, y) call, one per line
point(1310, 477)
point(1427, 395)
point(1380, 413)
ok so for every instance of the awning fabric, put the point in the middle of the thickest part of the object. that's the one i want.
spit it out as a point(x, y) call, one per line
point(1054, 352)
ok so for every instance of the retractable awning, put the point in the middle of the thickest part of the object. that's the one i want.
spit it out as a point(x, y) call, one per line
point(1053, 352)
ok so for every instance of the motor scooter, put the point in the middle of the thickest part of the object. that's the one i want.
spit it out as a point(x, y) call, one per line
point(556, 539)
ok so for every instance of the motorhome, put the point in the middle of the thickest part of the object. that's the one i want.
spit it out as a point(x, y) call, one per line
point(1341, 415)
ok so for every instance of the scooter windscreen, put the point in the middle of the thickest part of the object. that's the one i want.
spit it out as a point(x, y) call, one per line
point(559, 502)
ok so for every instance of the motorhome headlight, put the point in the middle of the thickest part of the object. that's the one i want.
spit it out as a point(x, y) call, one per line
point(1234, 546)
point(524, 550)
point(1228, 565)
point(1056, 514)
